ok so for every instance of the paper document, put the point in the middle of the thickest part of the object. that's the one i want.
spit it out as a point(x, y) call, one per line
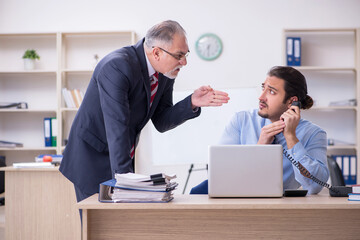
point(130, 187)
point(33, 165)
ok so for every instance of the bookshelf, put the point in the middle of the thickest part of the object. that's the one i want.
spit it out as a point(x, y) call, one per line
point(330, 61)
point(66, 60)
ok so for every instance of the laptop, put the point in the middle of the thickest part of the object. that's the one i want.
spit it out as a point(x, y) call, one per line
point(245, 171)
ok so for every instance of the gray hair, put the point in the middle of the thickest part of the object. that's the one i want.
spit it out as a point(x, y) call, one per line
point(163, 33)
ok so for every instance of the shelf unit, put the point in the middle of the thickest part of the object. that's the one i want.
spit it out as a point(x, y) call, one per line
point(331, 64)
point(66, 60)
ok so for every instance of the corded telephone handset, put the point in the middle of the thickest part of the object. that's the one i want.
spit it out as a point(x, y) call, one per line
point(335, 191)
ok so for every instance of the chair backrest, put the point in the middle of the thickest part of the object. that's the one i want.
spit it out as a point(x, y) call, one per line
point(336, 176)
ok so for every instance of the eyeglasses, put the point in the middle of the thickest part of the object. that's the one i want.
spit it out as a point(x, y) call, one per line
point(179, 56)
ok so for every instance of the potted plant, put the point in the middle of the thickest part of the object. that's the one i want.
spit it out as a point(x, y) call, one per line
point(29, 57)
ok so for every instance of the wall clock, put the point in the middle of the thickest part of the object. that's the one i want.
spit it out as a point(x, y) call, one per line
point(208, 46)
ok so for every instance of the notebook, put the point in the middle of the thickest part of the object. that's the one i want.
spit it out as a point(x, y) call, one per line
point(245, 171)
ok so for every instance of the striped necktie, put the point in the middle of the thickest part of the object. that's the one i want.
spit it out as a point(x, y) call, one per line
point(153, 87)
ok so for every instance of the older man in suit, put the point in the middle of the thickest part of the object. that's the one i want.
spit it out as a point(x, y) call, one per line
point(129, 87)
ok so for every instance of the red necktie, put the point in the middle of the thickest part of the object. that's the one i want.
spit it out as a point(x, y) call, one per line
point(153, 88)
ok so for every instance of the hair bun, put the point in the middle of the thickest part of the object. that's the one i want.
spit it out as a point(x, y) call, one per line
point(307, 102)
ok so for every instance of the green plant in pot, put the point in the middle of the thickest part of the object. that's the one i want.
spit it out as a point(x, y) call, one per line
point(29, 57)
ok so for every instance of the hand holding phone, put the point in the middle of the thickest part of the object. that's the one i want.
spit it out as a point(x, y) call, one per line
point(291, 118)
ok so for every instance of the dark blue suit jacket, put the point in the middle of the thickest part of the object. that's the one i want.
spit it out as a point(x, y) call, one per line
point(115, 108)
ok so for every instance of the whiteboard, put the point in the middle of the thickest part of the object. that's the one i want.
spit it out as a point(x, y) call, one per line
point(188, 143)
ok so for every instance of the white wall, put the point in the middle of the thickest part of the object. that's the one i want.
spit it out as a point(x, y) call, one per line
point(251, 31)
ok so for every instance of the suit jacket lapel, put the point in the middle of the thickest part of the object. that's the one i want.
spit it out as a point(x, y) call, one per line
point(139, 48)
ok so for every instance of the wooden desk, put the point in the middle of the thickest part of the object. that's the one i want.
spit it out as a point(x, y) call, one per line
point(40, 204)
point(198, 217)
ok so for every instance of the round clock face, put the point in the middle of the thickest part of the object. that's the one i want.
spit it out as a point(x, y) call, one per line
point(208, 46)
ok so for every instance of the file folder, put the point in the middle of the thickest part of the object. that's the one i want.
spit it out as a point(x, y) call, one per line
point(297, 51)
point(47, 132)
point(289, 51)
point(348, 166)
point(54, 131)
point(346, 169)
point(353, 168)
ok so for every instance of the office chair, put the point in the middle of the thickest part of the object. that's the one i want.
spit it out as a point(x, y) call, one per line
point(336, 176)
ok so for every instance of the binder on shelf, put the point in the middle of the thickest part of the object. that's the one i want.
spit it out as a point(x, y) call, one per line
point(67, 99)
point(289, 51)
point(72, 98)
point(293, 51)
point(77, 96)
point(348, 166)
point(69, 96)
point(353, 167)
point(54, 131)
point(47, 132)
point(77, 104)
point(339, 162)
point(297, 51)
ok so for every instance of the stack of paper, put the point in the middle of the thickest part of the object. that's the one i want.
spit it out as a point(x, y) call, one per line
point(33, 165)
point(131, 187)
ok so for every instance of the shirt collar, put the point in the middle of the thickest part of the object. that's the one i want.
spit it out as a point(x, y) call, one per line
point(151, 70)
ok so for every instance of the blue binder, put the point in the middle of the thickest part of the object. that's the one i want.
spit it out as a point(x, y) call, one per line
point(353, 169)
point(289, 51)
point(297, 52)
point(348, 165)
point(47, 132)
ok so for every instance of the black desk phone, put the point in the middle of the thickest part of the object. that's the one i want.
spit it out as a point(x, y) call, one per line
point(335, 191)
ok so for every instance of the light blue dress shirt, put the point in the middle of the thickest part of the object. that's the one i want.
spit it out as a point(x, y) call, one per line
point(245, 128)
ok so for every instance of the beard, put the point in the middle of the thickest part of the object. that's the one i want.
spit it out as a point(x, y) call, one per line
point(273, 115)
point(173, 73)
point(263, 115)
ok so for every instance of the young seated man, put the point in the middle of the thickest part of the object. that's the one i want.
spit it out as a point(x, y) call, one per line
point(277, 121)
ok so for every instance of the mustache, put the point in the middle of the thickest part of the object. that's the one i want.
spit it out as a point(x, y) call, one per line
point(262, 102)
point(177, 67)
